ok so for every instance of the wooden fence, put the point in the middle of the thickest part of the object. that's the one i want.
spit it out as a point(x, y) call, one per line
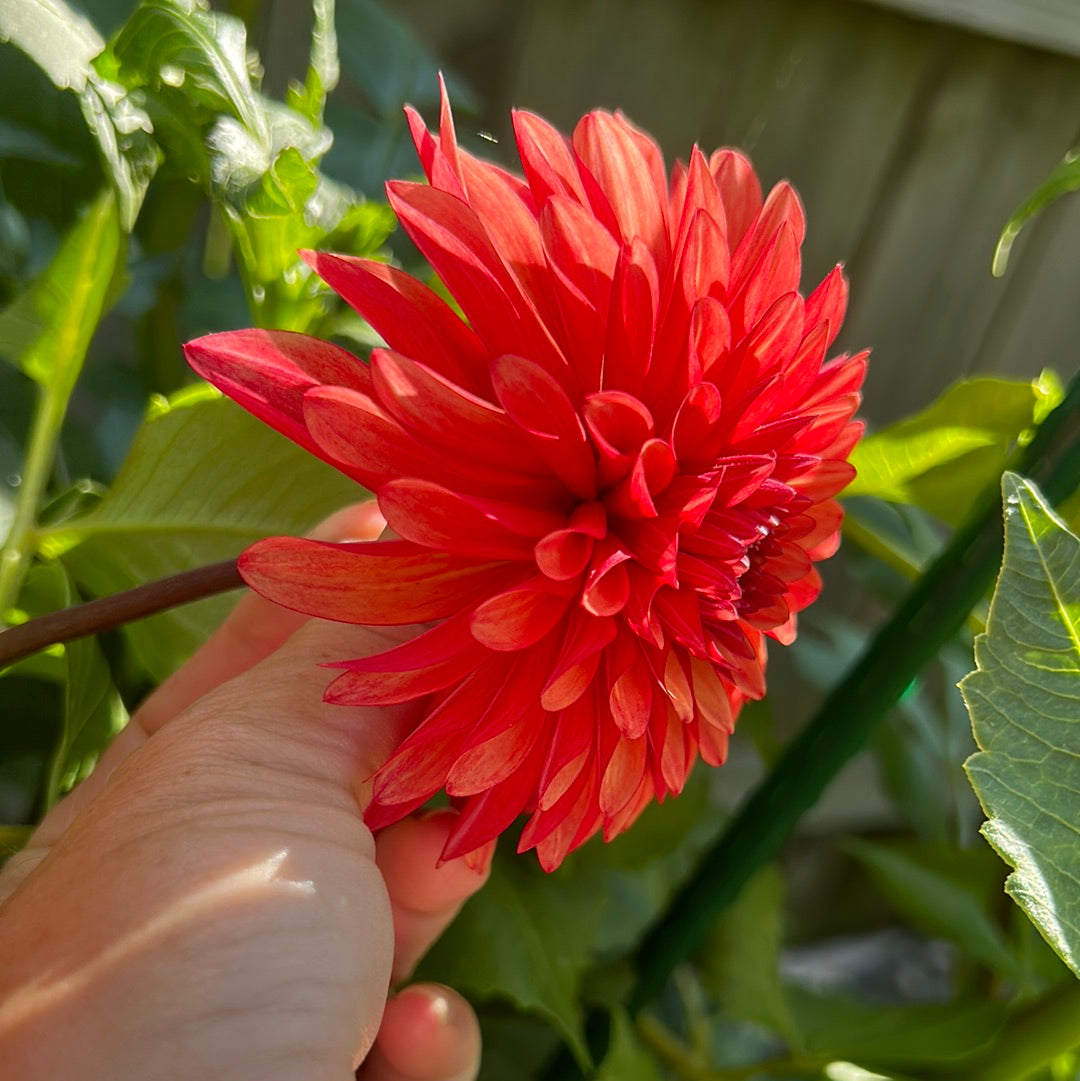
point(911, 140)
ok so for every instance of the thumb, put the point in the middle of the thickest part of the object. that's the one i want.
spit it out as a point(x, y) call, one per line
point(274, 715)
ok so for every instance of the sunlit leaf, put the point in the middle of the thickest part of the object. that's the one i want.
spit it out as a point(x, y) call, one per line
point(203, 480)
point(47, 330)
point(124, 134)
point(943, 457)
point(324, 69)
point(59, 40)
point(68, 48)
point(1024, 700)
point(181, 43)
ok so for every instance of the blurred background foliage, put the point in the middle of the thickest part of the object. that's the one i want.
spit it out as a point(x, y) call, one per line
point(160, 164)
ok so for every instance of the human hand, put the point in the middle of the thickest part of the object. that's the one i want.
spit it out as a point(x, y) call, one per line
point(209, 904)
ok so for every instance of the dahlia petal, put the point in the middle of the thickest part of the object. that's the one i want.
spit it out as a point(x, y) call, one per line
point(537, 403)
point(547, 159)
point(429, 662)
point(678, 749)
point(382, 583)
point(607, 585)
point(713, 745)
point(631, 318)
point(676, 683)
point(409, 316)
point(702, 270)
point(452, 238)
point(619, 423)
point(436, 517)
point(772, 343)
point(563, 554)
point(423, 141)
point(782, 207)
point(485, 816)
point(653, 470)
point(700, 193)
point(483, 765)
point(582, 649)
point(632, 810)
point(710, 337)
point(380, 815)
point(828, 303)
point(571, 744)
point(581, 255)
point(551, 830)
point(392, 688)
point(268, 372)
point(517, 618)
point(626, 172)
point(607, 594)
point(505, 207)
point(695, 423)
point(423, 759)
point(802, 370)
point(843, 375)
point(757, 408)
point(351, 430)
point(739, 190)
point(825, 481)
point(462, 424)
point(711, 697)
point(623, 775)
point(630, 698)
point(775, 273)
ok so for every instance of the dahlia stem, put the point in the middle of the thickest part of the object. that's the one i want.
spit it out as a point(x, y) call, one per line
point(108, 612)
point(934, 610)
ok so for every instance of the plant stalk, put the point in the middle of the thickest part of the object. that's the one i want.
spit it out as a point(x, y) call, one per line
point(108, 612)
point(18, 547)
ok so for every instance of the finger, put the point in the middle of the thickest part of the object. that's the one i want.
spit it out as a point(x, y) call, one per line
point(425, 895)
point(253, 630)
point(428, 1033)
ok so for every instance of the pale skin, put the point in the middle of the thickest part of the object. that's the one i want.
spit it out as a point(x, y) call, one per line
point(209, 903)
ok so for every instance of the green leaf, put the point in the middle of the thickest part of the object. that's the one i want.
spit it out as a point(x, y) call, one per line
point(937, 902)
point(64, 45)
point(60, 41)
point(530, 937)
point(92, 713)
point(1064, 179)
point(202, 482)
point(627, 1059)
point(1023, 704)
point(902, 1036)
point(942, 457)
point(47, 330)
point(741, 962)
point(182, 44)
point(124, 135)
point(323, 70)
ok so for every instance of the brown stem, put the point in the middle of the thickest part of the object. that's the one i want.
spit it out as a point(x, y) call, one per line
point(108, 612)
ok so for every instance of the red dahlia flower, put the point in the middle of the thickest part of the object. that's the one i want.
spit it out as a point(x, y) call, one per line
point(610, 481)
